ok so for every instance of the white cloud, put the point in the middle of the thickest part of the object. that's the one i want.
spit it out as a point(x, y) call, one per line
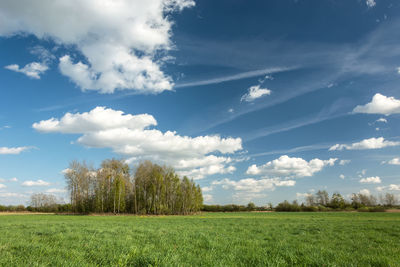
point(12, 195)
point(380, 104)
point(365, 192)
point(381, 120)
point(255, 92)
point(33, 70)
point(394, 161)
point(244, 197)
point(370, 3)
point(231, 110)
point(207, 198)
point(342, 176)
point(56, 190)
point(302, 195)
point(371, 180)
point(35, 183)
point(344, 162)
point(65, 171)
point(130, 135)
point(14, 179)
point(371, 143)
point(286, 166)
point(13, 150)
point(253, 185)
point(5, 127)
point(122, 43)
point(398, 70)
point(392, 187)
point(2, 186)
point(98, 119)
point(207, 188)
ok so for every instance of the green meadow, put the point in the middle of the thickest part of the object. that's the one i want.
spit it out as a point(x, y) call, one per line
point(208, 239)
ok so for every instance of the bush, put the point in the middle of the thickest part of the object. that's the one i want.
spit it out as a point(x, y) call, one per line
point(372, 209)
point(309, 208)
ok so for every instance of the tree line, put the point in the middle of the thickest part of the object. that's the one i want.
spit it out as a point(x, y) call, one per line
point(113, 188)
point(321, 201)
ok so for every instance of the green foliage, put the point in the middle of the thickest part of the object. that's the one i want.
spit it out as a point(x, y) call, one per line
point(321, 202)
point(372, 209)
point(112, 188)
point(208, 239)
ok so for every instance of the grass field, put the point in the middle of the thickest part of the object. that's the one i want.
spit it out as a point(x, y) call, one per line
point(219, 239)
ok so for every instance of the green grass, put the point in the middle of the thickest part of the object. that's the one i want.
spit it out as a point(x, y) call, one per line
point(219, 239)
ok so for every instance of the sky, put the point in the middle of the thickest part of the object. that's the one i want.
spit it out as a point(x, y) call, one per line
point(259, 101)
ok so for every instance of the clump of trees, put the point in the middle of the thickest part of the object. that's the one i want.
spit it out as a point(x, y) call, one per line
point(152, 189)
point(321, 201)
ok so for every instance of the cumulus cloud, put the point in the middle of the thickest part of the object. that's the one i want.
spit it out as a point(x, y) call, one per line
point(121, 43)
point(381, 120)
point(14, 179)
point(244, 197)
point(286, 166)
point(392, 187)
point(9, 194)
point(370, 3)
point(32, 70)
point(394, 161)
point(371, 180)
point(56, 190)
point(98, 119)
point(380, 104)
point(371, 143)
point(302, 195)
point(2, 186)
point(253, 185)
point(365, 192)
point(207, 188)
point(344, 162)
point(13, 150)
point(342, 176)
point(35, 183)
point(207, 198)
point(131, 136)
point(255, 92)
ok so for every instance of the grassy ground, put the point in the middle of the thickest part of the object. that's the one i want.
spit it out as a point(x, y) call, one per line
point(219, 239)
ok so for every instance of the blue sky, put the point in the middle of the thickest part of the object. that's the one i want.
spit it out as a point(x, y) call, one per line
point(258, 101)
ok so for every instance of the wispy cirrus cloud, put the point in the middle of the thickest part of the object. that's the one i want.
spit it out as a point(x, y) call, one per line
point(235, 77)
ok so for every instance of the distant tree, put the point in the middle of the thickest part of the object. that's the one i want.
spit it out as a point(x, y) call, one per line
point(322, 198)
point(390, 200)
point(251, 206)
point(310, 200)
point(337, 201)
point(43, 202)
